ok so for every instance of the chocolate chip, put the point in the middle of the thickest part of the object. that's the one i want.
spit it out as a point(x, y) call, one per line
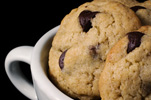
point(146, 88)
point(143, 98)
point(93, 50)
point(141, 1)
point(61, 59)
point(85, 19)
point(135, 8)
point(134, 40)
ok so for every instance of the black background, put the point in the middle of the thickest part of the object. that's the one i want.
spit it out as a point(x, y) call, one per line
point(23, 23)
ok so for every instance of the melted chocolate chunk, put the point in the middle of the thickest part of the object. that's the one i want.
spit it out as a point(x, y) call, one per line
point(146, 88)
point(85, 19)
point(141, 1)
point(135, 8)
point(61, 59)
point(93, 50)
point(134, 40)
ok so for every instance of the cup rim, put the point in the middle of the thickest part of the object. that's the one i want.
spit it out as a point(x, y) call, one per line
point(39, 76)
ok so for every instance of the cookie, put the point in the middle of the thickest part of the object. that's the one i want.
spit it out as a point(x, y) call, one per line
point(128, 3)
point(81, 44)
point(127, 72)
point(141, 8)
point(143, 11)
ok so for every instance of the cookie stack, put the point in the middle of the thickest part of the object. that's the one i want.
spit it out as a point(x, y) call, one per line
point(103, 50)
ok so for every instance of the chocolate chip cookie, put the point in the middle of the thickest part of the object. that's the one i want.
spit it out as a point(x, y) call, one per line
point(127, 72)
point(141, 8)
point(128, 3)
point(143, 11)
point(81, 44)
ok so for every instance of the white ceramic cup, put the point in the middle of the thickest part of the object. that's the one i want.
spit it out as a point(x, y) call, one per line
point(37, 58)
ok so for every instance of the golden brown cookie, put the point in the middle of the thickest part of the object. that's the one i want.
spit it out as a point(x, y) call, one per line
point(81, 44)
point(127, 72)
point(141, 8)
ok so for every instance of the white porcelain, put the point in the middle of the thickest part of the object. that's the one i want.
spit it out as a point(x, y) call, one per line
point(37, 57)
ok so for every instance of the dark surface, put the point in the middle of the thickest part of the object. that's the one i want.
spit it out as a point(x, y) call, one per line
point(23, 23)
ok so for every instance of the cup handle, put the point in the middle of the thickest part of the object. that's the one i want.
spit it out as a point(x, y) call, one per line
point(23, 54)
